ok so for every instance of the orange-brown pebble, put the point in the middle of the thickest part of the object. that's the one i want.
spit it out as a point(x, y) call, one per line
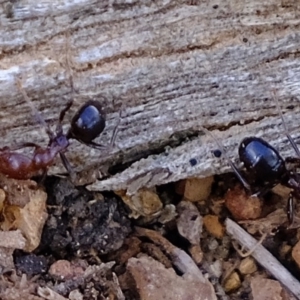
point(180, 186)
point(284, 250)
point(213, 226)
point(247, 266)
point(232, 283)
point(198, 189)
point(241, 205)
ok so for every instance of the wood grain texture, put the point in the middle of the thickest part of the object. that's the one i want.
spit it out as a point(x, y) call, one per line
point(171, 67)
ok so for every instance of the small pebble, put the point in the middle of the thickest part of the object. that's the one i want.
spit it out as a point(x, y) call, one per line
point(63, 270)
point(247, 266)
point(75, 295)
point(213, 245)
point(216, 268)
point(31, 264)
point(232, 283)
point(241, 205)
point(284, 250)
point(198, 189)
point(213, 226)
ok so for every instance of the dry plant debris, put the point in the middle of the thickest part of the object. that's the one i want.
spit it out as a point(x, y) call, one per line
point(172, 247)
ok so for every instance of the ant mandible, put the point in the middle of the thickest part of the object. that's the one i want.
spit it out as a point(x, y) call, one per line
point(87, 124)
point(267, 167)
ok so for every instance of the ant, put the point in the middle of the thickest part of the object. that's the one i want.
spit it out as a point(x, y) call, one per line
point(87, 124)
point(267, 167)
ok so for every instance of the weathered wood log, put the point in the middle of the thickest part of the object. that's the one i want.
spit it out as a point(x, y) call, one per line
point(171, 67)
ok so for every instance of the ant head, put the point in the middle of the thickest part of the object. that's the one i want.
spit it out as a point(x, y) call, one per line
point(88, 122)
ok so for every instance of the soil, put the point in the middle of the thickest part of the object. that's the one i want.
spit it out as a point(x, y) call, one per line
point(93, 245)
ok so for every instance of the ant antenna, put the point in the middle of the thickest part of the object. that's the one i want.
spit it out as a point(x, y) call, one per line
point(232, 165)
point(291, 140)
point(36, 113)
point(70, 101)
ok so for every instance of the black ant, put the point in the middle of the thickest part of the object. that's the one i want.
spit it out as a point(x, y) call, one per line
point(87, 124)
point(267, 167)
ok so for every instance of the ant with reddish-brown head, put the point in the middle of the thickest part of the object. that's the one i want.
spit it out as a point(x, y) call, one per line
point(87, 124)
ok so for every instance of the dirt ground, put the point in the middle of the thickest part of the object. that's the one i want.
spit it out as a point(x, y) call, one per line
point(172, 242)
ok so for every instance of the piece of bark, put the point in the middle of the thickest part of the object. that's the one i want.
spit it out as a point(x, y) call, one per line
point(170, 66)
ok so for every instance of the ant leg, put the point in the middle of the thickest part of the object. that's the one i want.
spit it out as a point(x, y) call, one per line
point(115, 131)
point(112, 140)
point(232, 165)
point(262, 190)
point(96, 146)
point(291, 140)
point(62, 115)
point(63, 112)
point(293, 160)
point(67, 166)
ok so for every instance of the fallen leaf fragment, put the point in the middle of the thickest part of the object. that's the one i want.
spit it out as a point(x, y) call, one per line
point(154, 282)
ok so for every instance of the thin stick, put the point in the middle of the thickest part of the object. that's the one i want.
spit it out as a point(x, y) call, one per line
point(264, 257)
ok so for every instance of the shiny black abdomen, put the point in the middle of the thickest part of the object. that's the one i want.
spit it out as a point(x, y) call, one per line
point(262, 160)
